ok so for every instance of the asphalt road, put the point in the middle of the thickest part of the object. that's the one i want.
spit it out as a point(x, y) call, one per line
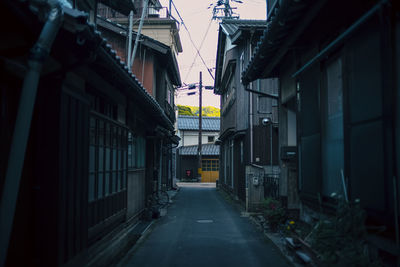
point(202, 229)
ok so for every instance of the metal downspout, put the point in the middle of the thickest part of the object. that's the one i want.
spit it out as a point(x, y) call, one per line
point(160, 167)
point(251, 114)
point(130, 39)
point(37, 57)
point(138, 32)
point(341, 37)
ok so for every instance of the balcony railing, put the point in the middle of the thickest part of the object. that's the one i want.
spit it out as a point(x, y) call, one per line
point(152, 13)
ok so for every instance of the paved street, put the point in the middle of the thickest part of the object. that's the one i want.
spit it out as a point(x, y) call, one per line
point(202, 229)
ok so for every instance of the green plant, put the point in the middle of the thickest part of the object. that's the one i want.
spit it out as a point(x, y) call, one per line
point(273, 212)
point(340, 240)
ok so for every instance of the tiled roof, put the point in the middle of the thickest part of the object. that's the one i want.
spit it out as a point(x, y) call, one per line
point(231, 26)
point(192, 123)
point(206, 150)
point(285, 18)
point(149, 42)
point(236, 31)
point(77, 21)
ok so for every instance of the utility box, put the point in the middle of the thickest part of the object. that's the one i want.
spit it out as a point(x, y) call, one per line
point(288, 153)
point(254, 187)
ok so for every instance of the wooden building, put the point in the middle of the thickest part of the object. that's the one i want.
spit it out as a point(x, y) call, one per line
point(95, 137)
point(156, 68)
point(187, 151)
point(248, 134)
point(338, 107)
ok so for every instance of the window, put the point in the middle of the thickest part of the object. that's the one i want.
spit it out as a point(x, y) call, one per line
point(107, 158)
point(136, 151)
point(230, 92)
point(210, 165)
point(332, 129)
point(100, 105)
point(211, 139)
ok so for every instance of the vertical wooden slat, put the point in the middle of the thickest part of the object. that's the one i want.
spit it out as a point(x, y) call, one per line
point(63, 176)
point(85, 175)
point(70, 176)
point(78, 176)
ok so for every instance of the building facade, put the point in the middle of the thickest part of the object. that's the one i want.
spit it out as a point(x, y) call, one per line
point(95, 138)
point(249, 117)
point(187, 151)
point(338, 100)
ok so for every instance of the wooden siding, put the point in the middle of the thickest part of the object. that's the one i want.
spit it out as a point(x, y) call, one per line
point(73, 204)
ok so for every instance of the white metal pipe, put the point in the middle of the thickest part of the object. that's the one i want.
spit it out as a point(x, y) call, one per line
point(130, 38)
point(138, 32)
point(251, 113)
point(38, 55)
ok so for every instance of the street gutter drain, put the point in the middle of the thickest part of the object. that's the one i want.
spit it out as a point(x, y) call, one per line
point(205, 221)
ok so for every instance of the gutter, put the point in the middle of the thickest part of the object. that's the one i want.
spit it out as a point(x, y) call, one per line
point(342, 37)
point(38, 55)
point(261, 93)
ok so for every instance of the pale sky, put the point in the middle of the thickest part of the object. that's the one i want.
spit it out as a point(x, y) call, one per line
point(197, 18)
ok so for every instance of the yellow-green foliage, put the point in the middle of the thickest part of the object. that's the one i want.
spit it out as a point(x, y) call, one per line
point(208, 111)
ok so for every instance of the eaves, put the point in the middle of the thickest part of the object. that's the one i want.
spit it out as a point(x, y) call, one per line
point(290, 19)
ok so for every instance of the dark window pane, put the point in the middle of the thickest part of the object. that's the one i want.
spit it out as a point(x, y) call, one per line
point(92, 131)
point(100, 185)
point(114, 160)
point(91, 187)
point(92, 158)
point(108, 134)
point(101, 133)
point(107, 184)
point(114, 136)
point(120, 160)
point(114, 181)
point(108, 159)
point(101, 159)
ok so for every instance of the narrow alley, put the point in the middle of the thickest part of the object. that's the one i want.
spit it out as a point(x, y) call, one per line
point(202, 229)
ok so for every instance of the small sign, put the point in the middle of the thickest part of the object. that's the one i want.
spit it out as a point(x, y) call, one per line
point(188, 173)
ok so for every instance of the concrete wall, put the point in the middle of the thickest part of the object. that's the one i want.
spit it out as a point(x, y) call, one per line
point(191, 138)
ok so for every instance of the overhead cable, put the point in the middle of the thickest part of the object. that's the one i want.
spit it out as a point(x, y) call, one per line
point(191, 40)
point(201, 45)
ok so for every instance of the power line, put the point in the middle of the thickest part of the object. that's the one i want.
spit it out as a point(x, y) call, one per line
point(191, 40)
point(201, 45)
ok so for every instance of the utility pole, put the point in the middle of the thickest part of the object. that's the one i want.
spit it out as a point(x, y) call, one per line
point(227, 9)
point(200, 127)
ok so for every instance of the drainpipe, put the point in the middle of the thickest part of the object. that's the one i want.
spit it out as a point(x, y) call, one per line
point(251, 114)
point(138, 32)
point(161, 167)
point(37, 57)
point(270, 143)
point(130, 38)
